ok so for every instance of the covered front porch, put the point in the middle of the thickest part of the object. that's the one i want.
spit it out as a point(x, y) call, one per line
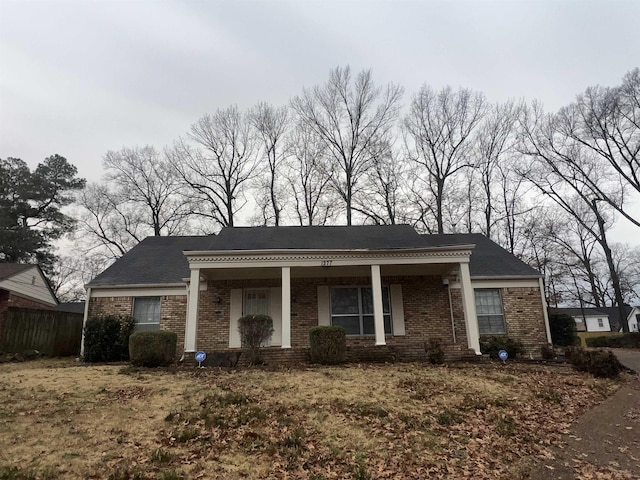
point(399, 293)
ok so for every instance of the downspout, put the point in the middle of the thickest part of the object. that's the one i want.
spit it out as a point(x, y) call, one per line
point(544, 310)
point(84, 320)
point(453, 323)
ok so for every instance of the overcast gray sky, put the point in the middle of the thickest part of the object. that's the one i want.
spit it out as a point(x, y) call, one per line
point(79, 78)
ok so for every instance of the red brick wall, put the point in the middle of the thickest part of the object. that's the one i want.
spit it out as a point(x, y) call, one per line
point(525, 318)
point(173, 312)
point(426, 312)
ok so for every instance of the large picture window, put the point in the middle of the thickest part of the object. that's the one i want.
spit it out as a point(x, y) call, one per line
point(489, 311)
point(352, 308)
point(146, 311)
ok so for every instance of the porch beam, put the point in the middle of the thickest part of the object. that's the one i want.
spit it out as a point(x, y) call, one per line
point(469, 308)
point(286, 307)
point(191, 327)
point(378, 314)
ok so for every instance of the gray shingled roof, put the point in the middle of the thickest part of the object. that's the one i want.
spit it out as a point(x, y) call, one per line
point(154, 260)
point(488, 259)
point(577, 312)
point(158, 260)
point(360, 237)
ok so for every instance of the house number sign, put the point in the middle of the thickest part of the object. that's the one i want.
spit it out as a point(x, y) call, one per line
point(325, 263)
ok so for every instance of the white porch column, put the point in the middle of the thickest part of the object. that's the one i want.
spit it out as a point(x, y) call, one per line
point(469, 307)
point(191, 327)
point(378, 315)
point(84, 320)
point(286, 307)
point(544, 310)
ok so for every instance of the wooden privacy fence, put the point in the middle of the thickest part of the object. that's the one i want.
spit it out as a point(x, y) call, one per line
point(52, 333)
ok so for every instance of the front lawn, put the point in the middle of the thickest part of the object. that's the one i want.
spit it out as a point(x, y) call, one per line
point(59, 419)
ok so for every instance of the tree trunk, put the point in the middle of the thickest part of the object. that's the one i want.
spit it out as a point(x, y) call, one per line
point(612, 270)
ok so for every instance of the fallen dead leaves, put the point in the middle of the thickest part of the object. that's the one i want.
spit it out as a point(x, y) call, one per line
point(357, 421)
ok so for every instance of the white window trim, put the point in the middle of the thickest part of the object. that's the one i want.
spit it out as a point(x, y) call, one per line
point(360, 314)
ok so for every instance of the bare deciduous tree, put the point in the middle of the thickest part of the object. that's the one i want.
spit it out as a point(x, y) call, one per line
point(349, 115)
point(218, 167)
point(438, 131)
point(565, 171)
point(383, 199)
point(309, 177)
point(145, 179)
point(271, 124)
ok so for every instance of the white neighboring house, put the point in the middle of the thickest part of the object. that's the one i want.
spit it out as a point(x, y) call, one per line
point(634, 319)
point(587, 319)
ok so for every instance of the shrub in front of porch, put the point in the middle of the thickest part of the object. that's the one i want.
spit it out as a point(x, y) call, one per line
point(328, 345)
point(255, 330)
point(152, 349)
point(106, 339)
point(492, 344)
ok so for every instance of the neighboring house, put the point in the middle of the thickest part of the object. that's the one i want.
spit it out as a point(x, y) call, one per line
point(587, 319)
point(23, 285)
point(632, 317)
point(70, 307)
point(386, 285)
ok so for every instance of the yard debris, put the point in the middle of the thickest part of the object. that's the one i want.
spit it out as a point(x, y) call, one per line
point(481, 421)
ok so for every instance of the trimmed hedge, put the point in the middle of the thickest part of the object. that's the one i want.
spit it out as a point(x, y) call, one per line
point(106, 339)
point(153, 348)
point(493, 344)
point(625, 340)
point(600, 363)
point(563, 330)
point(328, 345)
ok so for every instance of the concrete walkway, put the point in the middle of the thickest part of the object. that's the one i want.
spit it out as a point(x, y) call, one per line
point(607, 436)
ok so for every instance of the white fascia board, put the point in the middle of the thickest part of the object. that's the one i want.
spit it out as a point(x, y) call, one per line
point(506, 282)
point(139, 290)
point(326, 258)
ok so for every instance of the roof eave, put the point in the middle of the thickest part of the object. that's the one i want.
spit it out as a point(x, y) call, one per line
point(134, 285)
point(506, 277)
point(302, 251)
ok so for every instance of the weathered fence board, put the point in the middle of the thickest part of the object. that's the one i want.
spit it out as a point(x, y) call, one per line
point(52, 333)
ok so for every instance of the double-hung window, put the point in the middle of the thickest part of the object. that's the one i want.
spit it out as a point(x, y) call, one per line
point(146, 311)
point(489, 311)
point(352, 308)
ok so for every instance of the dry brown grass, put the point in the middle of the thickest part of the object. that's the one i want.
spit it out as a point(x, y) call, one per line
point(59, 419)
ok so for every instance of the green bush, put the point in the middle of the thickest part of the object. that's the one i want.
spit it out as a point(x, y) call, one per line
point(328, 345)
point(600, 363)
point(106, 339)
point(624, 340)
point(152, 348)
point(563, 330)
point(254, 331)
point(493, 344)
point(435, 352)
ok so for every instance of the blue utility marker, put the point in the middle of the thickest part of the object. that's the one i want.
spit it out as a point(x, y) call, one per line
point(200, 357)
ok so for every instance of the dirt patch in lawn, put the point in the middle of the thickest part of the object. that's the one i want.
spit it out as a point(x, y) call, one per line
point(62, 419)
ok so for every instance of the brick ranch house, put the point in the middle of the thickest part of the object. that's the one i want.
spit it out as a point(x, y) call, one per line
point(388, 286)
